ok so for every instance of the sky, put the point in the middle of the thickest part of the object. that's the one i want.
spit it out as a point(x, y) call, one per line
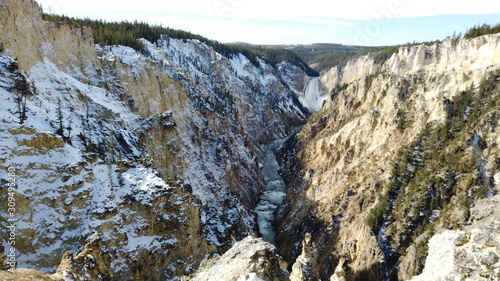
point(350, 22)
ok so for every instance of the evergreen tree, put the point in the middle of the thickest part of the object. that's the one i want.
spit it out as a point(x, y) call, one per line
point(59, 119)
point(484, 29)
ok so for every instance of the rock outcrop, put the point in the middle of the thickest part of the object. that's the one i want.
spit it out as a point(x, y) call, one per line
point(30, 39)
point(305, 267)
point(339, 274)
point(469, 254)
point(25, 274)
point(248, 259)
point(93, 261)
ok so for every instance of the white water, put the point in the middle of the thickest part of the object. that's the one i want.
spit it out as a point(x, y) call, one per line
point(313, 95)
point(274, 193)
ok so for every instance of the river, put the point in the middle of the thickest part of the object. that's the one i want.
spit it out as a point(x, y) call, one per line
point(275, 191)
point(273, 195)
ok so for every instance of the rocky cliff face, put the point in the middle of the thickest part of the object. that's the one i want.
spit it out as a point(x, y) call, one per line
point(158, 153)
point(71, 48)
point(392, 153)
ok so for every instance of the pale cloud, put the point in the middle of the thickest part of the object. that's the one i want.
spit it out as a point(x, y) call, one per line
point(269, 21)
point(224, 20)
point(351, 9)
point(331, 22)
point(276, 10)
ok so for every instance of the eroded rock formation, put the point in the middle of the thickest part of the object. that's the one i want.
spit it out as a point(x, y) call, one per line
point(469, 254)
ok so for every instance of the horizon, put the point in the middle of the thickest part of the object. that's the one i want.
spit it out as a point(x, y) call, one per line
point(379, 23)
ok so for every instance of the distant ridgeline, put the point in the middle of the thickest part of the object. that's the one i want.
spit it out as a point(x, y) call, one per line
point(386, 52)
point(323, 56)
point(126, 33)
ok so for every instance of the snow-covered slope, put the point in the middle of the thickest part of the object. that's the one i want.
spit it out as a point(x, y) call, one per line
point(159, 152)
point(223, 109)
point(90, 177)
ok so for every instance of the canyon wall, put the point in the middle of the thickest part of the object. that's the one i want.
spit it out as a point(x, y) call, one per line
point(391, 153)
point(157, 153)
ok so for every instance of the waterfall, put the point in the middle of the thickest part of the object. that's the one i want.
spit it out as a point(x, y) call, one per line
point(313, 95)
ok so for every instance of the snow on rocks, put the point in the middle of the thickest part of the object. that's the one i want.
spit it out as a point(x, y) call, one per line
point(250, 259)
point(66, 190)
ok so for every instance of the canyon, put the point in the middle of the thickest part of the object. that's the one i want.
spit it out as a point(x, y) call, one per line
point(170, 164)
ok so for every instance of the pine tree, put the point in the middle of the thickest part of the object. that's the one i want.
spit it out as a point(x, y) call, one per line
point(59, 119)
point(21, 90)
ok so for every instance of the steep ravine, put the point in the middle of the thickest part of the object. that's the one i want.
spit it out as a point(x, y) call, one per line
point(134, 166)
point(272, 197)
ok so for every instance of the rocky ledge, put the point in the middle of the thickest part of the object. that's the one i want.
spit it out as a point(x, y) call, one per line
point(469, 254)
point(248, 259)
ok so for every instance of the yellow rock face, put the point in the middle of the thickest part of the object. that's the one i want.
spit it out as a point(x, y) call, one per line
point(41, 143)
point(24, 274)
point(348, 147)
point(61, 43)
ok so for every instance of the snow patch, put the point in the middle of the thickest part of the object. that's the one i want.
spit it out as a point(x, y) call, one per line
point(249, 277)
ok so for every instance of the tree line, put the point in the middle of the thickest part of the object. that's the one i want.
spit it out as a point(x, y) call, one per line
point(484, 29)
point(126, 33)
